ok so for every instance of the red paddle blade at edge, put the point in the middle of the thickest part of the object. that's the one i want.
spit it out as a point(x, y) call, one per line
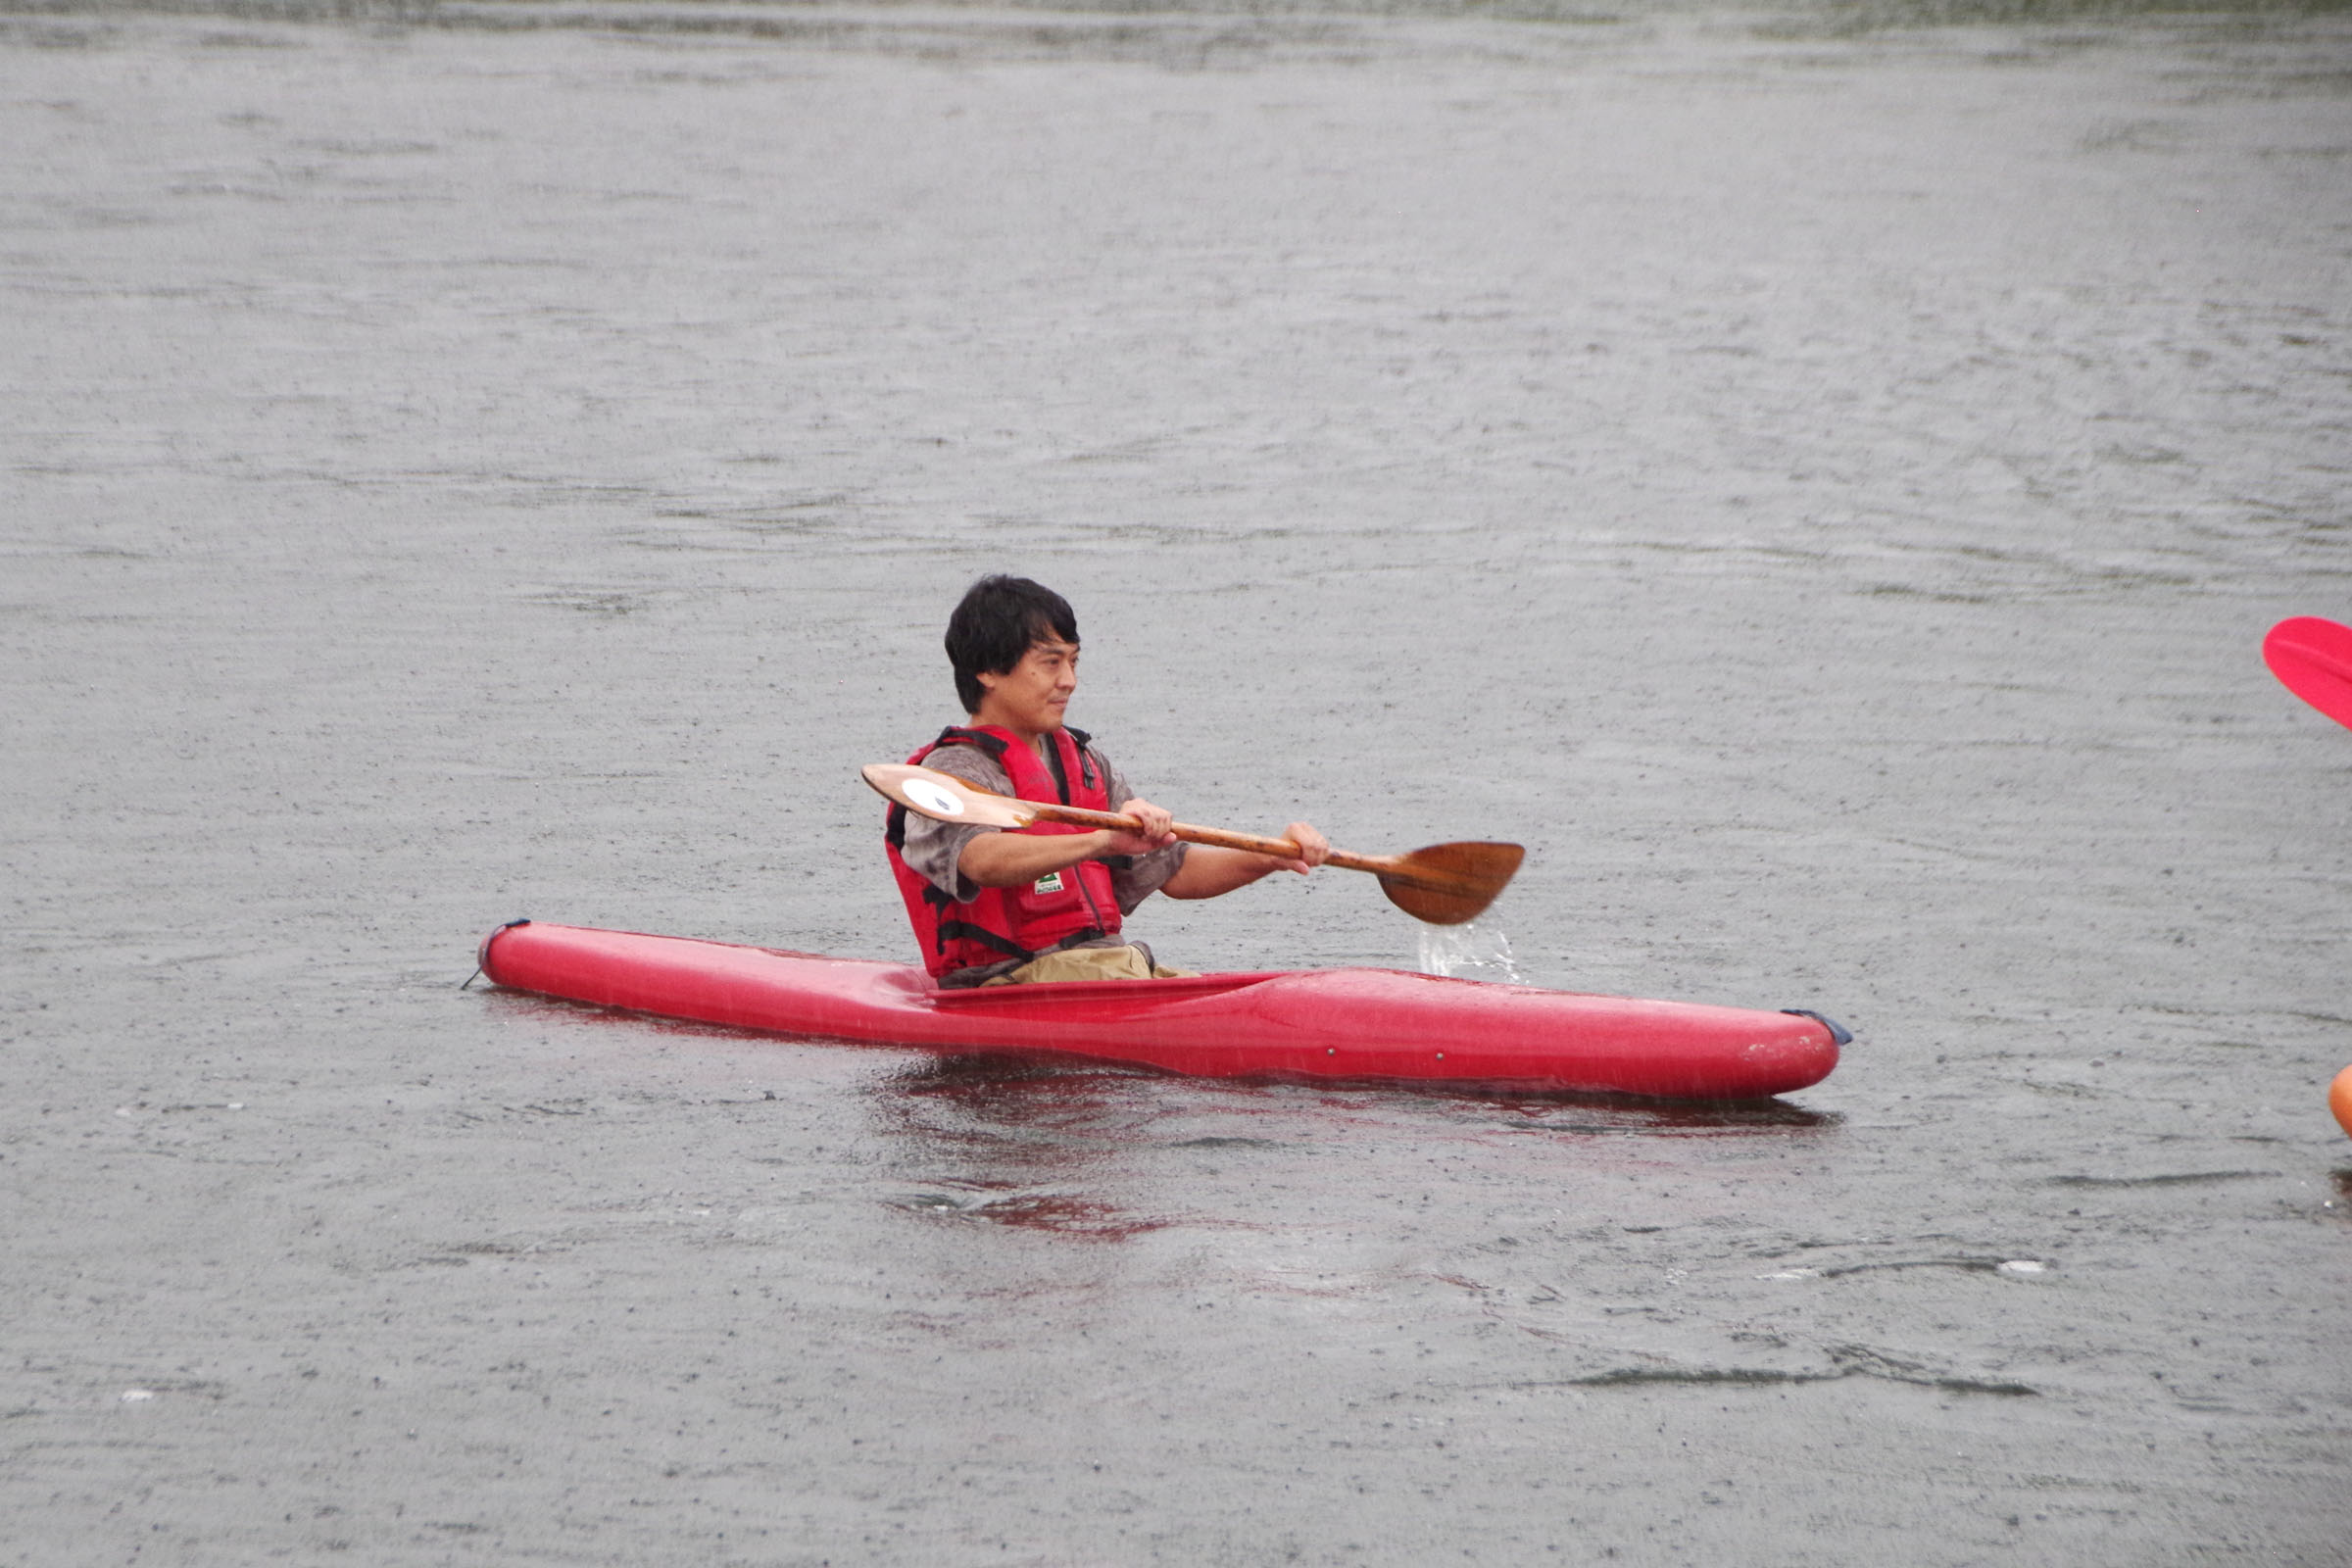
point(2313, 658)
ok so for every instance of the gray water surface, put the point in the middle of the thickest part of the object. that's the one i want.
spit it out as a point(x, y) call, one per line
point(1821, 485)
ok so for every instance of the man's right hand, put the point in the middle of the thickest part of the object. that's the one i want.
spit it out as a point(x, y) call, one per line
point(1154, 835)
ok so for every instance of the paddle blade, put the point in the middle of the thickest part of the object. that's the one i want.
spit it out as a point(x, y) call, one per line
point(931, 792)
point(1450, 884)
point(2313, 658)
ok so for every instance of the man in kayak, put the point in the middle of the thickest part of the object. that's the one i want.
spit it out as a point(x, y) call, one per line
point(997, 906)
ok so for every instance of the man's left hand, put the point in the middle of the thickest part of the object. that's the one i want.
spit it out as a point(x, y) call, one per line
point(1313, 847)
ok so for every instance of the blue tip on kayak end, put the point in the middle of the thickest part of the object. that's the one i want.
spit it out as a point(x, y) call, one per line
point(1840, 1033)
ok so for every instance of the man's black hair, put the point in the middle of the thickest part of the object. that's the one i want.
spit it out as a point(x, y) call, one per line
point(998, 620)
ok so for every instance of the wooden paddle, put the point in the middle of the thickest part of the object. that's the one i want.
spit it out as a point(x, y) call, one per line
point(1444, 884)
point(2313, 658)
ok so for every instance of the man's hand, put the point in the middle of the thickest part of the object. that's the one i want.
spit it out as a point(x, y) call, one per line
point(1009, 860)
point(1209, 871)
point(1313, 847)
point(1155, 834)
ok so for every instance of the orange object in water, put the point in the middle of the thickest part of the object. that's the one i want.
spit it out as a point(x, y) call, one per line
point(2339, 1099)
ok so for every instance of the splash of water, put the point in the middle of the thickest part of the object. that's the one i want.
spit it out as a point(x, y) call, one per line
point(1470, 950)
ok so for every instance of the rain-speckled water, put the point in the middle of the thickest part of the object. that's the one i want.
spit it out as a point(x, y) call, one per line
point(1818, 480)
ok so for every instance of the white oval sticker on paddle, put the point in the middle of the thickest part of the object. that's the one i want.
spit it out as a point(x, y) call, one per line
point(934, 798)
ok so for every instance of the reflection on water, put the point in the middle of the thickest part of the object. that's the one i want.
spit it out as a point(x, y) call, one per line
point(1056, 1111)
point(1062, 1213)
point(1622, 1115)
point(1001, 1141)
point(1111, 1153)
point(1047, 1104)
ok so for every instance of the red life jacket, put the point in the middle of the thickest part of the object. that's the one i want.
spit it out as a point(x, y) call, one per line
point(1059, 909)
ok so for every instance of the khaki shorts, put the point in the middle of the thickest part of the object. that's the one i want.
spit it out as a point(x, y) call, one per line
point(1088, 963)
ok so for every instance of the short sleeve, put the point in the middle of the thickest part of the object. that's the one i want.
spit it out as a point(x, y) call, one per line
point(934, 850)
point(1134, 878)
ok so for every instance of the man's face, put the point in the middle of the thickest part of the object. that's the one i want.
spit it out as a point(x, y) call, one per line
point(1029, 698)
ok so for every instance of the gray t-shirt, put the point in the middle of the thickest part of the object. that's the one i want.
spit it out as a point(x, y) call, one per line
point(933, 849)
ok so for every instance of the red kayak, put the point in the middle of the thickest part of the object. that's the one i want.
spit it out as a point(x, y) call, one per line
point(1349, 1024)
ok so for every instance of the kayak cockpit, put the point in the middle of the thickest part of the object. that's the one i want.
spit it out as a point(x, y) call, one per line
point(1102, 1000)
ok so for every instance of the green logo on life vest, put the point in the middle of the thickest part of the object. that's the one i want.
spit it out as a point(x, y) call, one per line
point(1050, 882)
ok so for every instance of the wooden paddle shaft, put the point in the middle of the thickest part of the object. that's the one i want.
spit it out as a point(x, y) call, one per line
point(1280, 849)
point(1443, 884)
